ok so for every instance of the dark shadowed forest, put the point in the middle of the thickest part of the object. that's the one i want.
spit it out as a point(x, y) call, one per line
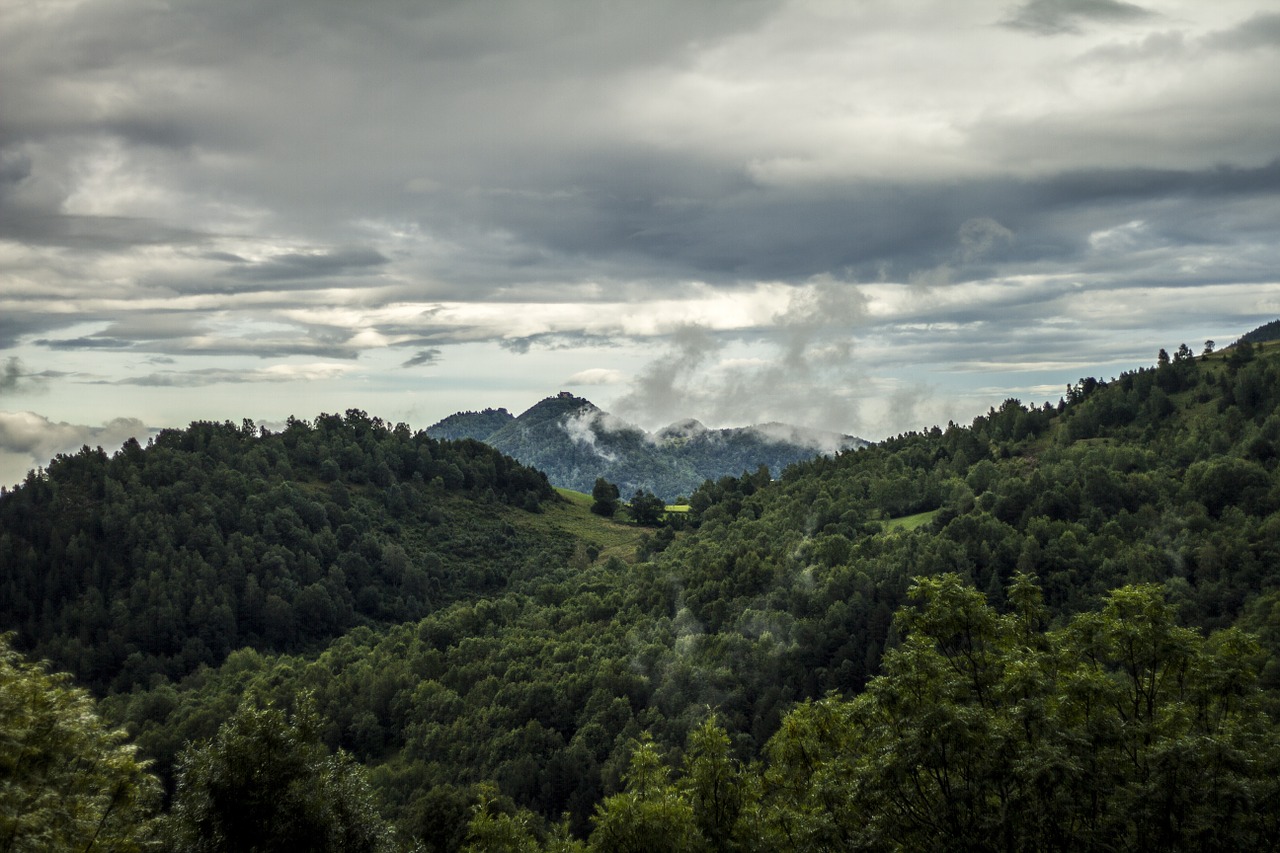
point(1055, 628)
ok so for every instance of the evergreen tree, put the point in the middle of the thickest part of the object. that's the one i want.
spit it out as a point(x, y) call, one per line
point(67, 782)
point(266, 783)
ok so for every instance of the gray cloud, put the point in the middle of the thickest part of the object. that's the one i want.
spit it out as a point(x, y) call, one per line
point(28, 440)
point(204, 377)
point(810, 346)
point(426, 356)
point(300, 179)
point(307, 266)
point(1261, 31)
point(1053, 17)
point(15, 377)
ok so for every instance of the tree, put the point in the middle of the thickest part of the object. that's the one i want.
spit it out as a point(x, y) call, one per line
point(267, 783)
point(1121, 730)
point(67, 782)
point(714, 785)
point(605, 495)
point(646, 508)
point(650, 816)
point(492, 830)
point(1208, 347)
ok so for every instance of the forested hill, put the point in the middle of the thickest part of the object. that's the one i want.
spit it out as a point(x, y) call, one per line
point(575, 442)
point(477, 425)
point(158, 560)
point(1020, 634)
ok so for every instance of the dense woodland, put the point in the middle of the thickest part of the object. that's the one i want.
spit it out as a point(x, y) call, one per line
point(1056, 628)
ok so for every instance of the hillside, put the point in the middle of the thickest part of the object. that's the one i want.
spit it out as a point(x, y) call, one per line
point(476, 425)
point(575, 442)
point(1051, 596)
point(162, 559)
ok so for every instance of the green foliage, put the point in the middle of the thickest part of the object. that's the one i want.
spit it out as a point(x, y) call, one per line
point(714, 786)
point(267, 783)
point(477, 425)
point(1121, 730)
point(650, 815)
point(504, 708)
point(646, 508)
point(1262, 334)
point(160, 560)
point(492, 830)
point(605, 498)
point(67, 782)
point(987, 732)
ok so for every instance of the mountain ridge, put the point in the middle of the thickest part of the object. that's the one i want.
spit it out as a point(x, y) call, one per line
point(574, 442)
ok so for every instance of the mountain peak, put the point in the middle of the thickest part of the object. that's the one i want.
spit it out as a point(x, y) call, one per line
point(560, 404)
point(574, 441)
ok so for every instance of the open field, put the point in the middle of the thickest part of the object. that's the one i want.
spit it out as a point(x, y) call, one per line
point(909, 522)
point(574, 517)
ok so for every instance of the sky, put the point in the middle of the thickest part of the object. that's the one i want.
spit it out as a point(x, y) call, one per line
point(865, 216)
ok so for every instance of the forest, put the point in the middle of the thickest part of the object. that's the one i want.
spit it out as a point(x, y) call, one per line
point(1055, 628)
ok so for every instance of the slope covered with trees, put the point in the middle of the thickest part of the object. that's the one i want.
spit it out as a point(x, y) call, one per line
point(1017, 634)
point(156, 561)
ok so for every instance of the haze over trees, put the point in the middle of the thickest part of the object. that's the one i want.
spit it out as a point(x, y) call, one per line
point(1055, 628)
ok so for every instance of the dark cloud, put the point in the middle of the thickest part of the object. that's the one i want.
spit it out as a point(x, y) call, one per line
point(218, 376)
point(1259, 32)
point(869, 231)
point(274, 345)
point(316, 179)
point(97, 233)
point(335, 262)
point(426, 356)
point(86, 343)
point(1054, 17)
point(160, 325)
point(12, 375)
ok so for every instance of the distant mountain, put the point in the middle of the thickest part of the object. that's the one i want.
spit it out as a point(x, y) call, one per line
point(574, 442)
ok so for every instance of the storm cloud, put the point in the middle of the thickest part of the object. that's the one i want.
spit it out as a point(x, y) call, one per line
point(860, 215)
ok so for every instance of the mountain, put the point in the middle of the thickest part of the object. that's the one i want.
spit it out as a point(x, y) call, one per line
point(1056, 628)
point(574, 442)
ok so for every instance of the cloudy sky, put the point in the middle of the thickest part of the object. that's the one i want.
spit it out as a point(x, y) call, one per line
point(866, 216)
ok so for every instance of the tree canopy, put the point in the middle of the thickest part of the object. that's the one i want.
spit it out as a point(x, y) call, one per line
point(267, 783)
point(68, 781)
point(1014, 632)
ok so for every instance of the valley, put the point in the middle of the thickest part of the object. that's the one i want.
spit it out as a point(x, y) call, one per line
point(1070, 611)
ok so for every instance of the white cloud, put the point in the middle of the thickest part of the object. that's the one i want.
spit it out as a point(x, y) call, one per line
point(29, 440)
point(596, 376)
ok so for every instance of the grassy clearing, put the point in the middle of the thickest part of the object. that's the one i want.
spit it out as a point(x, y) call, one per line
point(574, 518)
point(909, 522)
